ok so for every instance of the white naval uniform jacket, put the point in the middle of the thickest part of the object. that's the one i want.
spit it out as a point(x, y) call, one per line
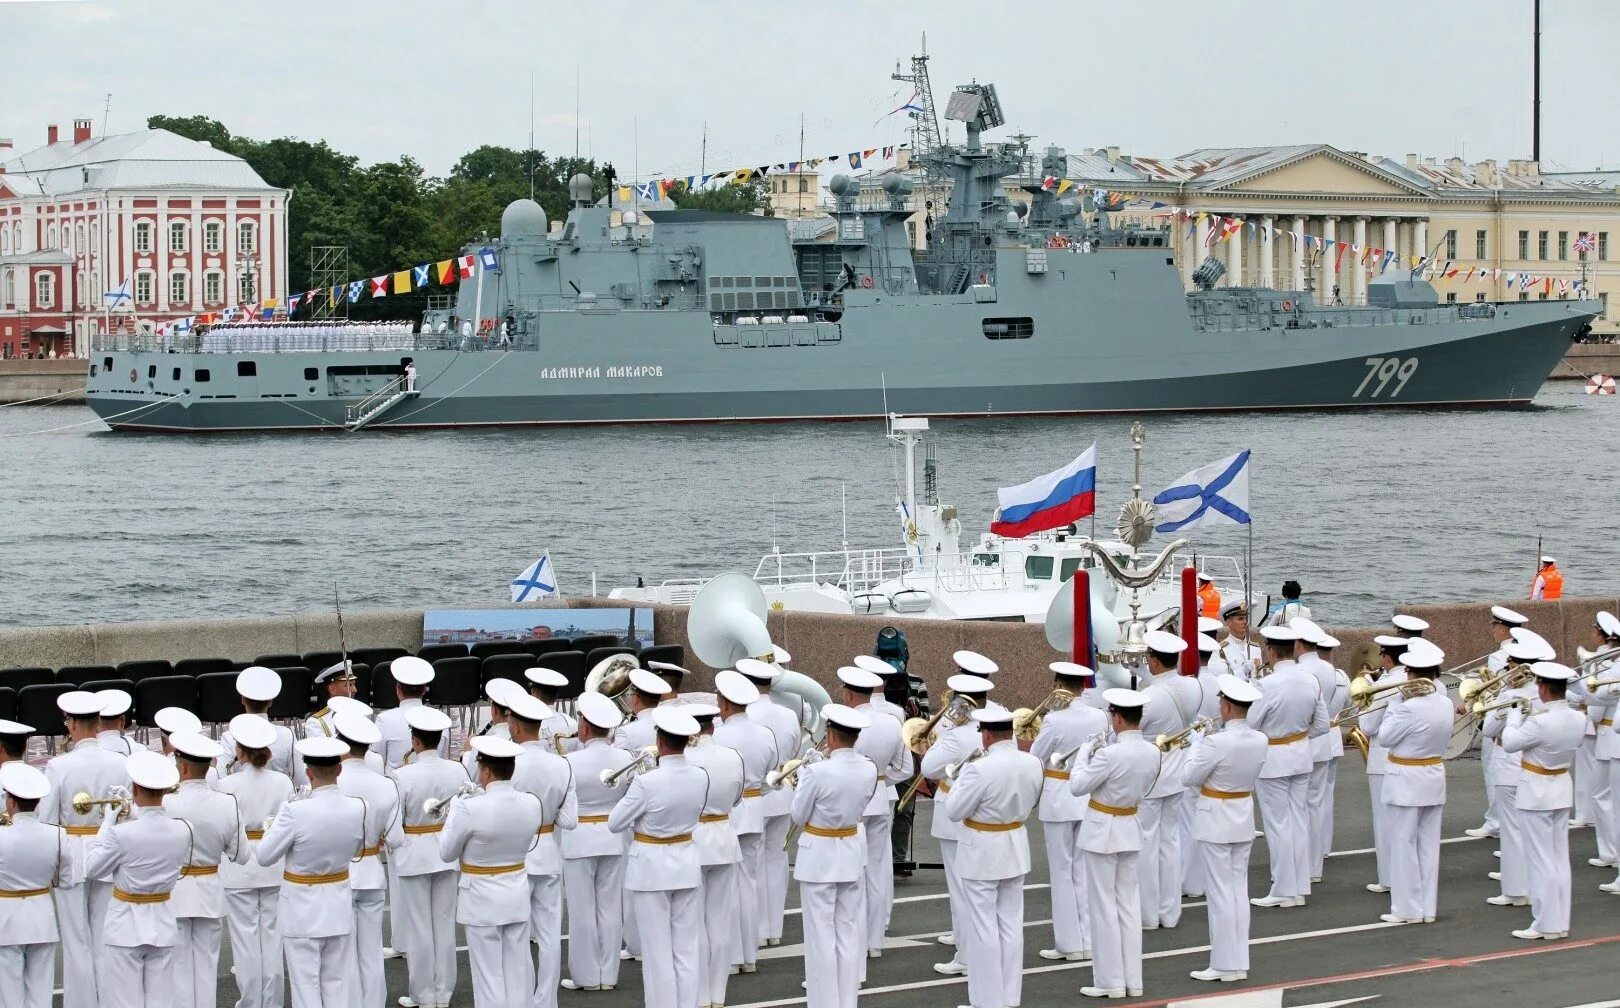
point(1546, 742)
point(757, 744)
point(1209, 684)
point(550, 778)
point(1290, 712)
point(216, 836)
point(493, 830)
point(116, 742)
point(880, 742)
point(991, 798)
point(1117, 777)
point(1605, 703)
point(559, 724)
point(1328, 744)
point(1241, 657)
point(1172, 704)
point(85, 767)
point(357, 779)
point(319, 724)
point(881, 704)
point(1417, 729)
point(283, 757)
point(784, 726)
point(259, 796)
point(591, 837)
point(395, 747)
point(1377, 755)
point(469, 758)
point(1062, 731)
point(636, 733)
point(715, 836)
point(831, 796)
point(427, 776)
point(142, 857)
point(1506, 769)
point(33, 858)
point(1223, 766)
point(315, 838)
point(660, 808)
point(952, 745)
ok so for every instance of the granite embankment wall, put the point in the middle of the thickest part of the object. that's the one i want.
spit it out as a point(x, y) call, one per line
point(819, 643)
point(1586, 359)
point(31, 379)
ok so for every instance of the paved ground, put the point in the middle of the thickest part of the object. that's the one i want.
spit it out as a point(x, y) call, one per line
point(1334, 951)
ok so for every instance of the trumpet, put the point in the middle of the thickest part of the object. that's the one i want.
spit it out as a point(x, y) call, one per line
point(787, 775)
point(1361, 702)
point(83, 803)
point(1090, 745)
point(5, 818)
point(298, 795)
point(1177, 740)
point(433, 807)
point(1263, 669)
point(1027, 722)
point(917, 732)
point(954, 770)
point(1481, 708)
point(612, 778)
point(1593, 682)
point(1593, 657)
point(1511, 677)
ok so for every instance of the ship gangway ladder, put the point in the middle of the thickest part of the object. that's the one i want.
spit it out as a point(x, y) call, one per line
point(379, 402)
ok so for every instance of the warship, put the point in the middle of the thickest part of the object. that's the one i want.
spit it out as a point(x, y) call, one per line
point(1012, 308)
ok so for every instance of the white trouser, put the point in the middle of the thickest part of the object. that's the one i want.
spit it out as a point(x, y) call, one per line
point(1288, 833)
point(1493, 803)
point(1226, 880)
point(370, 988)
point(1415, 860)
point(1510, 824)
point(100, 897)
point(834, 948)
point(1116, 920)
point(595, 918)
point(953, 890)
point(748, 901)
point(670, 920)
point(1546, 843)
point(717, 950)
point(1614, 805)
point(879, 880)
point(1380, 827)
point(995, 918)
point(1160, 864)
point(632, 934)
point(428, 902)
point(137, 977)
point(1071, 924)
point(255, 946)
point(1319, 813)
point(196, 962)
point(28, 974)
point(498, 959)
point(1192, 861)
point(545, 930)
point(1602, 802)
point(78, 952)
point(1608, 827)
point(773, 870)
point(398, 933)
point(320, 971)
point(1586, 782)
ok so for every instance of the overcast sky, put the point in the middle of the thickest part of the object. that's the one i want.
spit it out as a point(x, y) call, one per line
point(433, 80)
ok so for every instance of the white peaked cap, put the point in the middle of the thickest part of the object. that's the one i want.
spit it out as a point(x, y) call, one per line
point(349, 705)
point(699, 709)
point(78, 703)
point(500, 691)
point(258, 683)
point(1423, 658)
point(356, 729)
point(757, 670)
point(411, 671)
point(114, 702)
point(779, 656)
point(495, 747)
point(175, 720)
point(1502, 614)
point(1530, 638)
point(1205, 577)
point(674, 721)
point(599, 710)
point(963, 683)
point(847, 717)
point(251, 731)
point(859, 678)
point(20, 780)
point(1411, 624)
point(529, 708)
point(1206, 644)
point(1279, 634)
point(974, 663)
point(196, 745)
point(15, 728)
point(1164, 642)
point(646, 682)
point(1327, 641)
point(736, 687)
point(664, 666)
point(1308, 631)
point(1521, 651)
point(1117, 697)
point(542, 676)
point(1548, 560)
point(1552, 670)
point(1236, 690)
point(1391, 641)
point(994, 716)
point(1608, 623)
point(151, 770)
point(873, 664)
point(427, 719)
point(320, 747)
point(1070, 670)
point(1209, 624)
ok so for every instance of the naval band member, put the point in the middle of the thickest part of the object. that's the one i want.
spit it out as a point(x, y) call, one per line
point(592, 855)
point(757, 744)
point(199, 897)
point(1290, 712)
point(879, 742)
point(33, 860)
point(252, 889)
point(1062, 811)
point(1416, 732)
point(718, 852)
point(547, 776)
point(424, 911)
point(368, 880)
point(412, 679)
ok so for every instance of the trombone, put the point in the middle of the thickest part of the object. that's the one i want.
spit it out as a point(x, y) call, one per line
point(1481, 708)
point(83, 803)
point(433, 807)
point(613, 778)
point(1179, 739)
point(1027, 722)
point(916, 732)
point(1362, 693)
point(1487, 690)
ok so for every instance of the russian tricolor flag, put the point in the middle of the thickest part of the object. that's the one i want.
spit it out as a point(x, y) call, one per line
point(1050, 501)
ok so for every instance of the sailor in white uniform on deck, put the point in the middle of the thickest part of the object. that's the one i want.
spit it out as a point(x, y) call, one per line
point(1064, 729)
point(367, 879)
point(1605, 707)
point(424, 910)
point(33, 859)
point(252, 889)
point(879, 742)
point(412, 678)
point(199, 897)
point(1173, 702)
point(784, 724)
point(1513, 870)
point(172, 721)
point(757, 744)
point(592, 855)
point(718, 851)
point(550, 778)
point(336, 680)
point(115, 706)
point(1503, 620)
point(499, 691)
point(1239, 652)
point(952, 744)
point(258, 688)
point(557, 731)
point(1416, 732)
point(635, 734)
point(1290, 712)
point(1318, 792)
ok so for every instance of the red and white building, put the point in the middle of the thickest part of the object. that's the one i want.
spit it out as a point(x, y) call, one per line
point(192, 229)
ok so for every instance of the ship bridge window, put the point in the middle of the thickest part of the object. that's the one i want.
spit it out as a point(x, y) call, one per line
point(1009, 328)
point(1068, 567)
point(1038, 568)
point(176, 375)
point(247, 369)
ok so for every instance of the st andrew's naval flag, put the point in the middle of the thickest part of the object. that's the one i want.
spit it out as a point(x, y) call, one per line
point(1050, 501)
point(537, 581)
point(1217, 494)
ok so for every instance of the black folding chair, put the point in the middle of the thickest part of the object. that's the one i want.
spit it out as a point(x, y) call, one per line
point(295, 701)
point(157, 692)
point(77, 675)
point(135, 671)
point(36, 707)
point(370, 656)
point(433, 652)
point(550, 645)
point(32, 675)
point(504, 666)
point(489, 649)
point(315, 661)
point(217, 699)
point(194, 667)
point(382, 695)
point(590, 642)
point(673, 654)
point(570, 664)
point(117, 684)
point(8, 703)
point(279, 660)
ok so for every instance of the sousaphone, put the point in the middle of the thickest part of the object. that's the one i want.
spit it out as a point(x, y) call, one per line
point(726, 622)
point(1104, 632)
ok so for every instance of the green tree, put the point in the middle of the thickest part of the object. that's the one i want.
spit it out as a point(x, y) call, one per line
point(745, 197)
point(195, 128)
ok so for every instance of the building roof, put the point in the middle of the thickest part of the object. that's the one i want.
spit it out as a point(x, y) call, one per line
point(1604, 180)
point(149, 159)
point(43, 257)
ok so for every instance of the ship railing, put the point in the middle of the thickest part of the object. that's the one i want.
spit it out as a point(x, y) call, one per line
point(375, 399)
point(262, 343)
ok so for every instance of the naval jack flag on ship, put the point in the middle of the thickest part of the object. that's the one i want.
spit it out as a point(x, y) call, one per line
point(1215, 495)
point(537, 581)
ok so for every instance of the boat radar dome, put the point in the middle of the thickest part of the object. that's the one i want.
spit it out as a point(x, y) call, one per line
point(896, 185)
point(579, 190)
point(842, 185)
point(523, 218)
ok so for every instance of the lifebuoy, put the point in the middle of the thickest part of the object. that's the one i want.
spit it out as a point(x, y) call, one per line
point(1288, 305)
point(866, 280)
point(132, 375)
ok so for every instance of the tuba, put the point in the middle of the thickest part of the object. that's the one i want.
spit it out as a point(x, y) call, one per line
point(611, 678)
point(1027, 722)
point(726, 622)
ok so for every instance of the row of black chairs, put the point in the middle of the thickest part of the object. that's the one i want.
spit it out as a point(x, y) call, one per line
point(459, 681)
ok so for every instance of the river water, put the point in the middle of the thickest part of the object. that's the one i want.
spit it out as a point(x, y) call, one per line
point(1366, 509)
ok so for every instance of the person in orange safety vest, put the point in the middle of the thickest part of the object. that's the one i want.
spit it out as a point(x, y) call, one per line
point(1549, 582)
point(1209, 598)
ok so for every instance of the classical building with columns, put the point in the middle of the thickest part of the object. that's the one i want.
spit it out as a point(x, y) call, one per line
point(1480, 218)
